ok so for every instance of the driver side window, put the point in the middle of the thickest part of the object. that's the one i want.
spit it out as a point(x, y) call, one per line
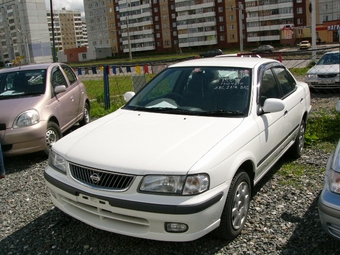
point(58, 78)
point(269, 88)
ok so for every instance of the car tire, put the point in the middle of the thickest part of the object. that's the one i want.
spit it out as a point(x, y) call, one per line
point(86, 118)
point(52, 135)
point(297, 148)
point(236, 208)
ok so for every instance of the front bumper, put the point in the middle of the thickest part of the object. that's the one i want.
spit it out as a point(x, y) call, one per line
point(329, 212)
point(138, 215)
point(23, 140)
point(323, 83)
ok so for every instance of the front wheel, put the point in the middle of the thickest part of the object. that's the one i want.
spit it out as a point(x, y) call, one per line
point(297, 148)
point(86, 118)
point(52, 135)
point(236, 208)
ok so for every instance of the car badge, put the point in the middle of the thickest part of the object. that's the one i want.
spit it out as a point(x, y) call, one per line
point(95, 178)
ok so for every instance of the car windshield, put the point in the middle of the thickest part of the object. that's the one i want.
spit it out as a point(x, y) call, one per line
point(329, 59)
point(22, 83)
point(207, 91)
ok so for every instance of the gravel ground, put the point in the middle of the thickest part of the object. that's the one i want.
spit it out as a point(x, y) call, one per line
point(283, 219)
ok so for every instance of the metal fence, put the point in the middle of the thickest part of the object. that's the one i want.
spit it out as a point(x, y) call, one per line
point(107, 84)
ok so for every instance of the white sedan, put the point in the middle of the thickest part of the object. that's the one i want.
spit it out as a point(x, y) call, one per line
point(181, 158)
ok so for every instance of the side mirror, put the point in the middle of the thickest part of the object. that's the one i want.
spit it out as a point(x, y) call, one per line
point(337, 108)
point(273, 105)
point(59, 89)
point(128, 95)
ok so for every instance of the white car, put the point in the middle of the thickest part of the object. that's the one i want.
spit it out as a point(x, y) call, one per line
point(181, 158)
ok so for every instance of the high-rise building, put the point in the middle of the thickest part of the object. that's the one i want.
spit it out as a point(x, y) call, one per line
point(23, 32)
point(68, 29)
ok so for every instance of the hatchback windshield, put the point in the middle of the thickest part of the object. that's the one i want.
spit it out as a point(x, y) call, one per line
point(29, 82)
point(211, 91)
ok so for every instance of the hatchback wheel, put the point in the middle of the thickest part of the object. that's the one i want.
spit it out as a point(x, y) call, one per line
point(86, 118)
point(236, 207)
point(53, 134)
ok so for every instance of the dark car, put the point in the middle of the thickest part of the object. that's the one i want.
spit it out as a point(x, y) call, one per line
point(211, 53)
point(38, 103)
point(263, 49)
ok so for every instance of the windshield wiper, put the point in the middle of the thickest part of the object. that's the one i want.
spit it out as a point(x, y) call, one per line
point(224, 113)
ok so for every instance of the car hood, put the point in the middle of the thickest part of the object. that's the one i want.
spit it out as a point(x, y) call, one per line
point(142, 142)
point(12, 107)
point(324, 69)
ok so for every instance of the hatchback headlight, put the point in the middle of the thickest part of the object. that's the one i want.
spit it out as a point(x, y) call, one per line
point(57, 162)
point(27, 118)
point(175, 184)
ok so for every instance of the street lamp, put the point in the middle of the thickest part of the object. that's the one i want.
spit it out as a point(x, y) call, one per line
point(28, 56)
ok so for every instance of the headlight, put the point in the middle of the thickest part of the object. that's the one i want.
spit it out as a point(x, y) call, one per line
point(177, 184)
point(333, 174)
point(57, 162)
point(334, 181)
point(311, 76)
point(27, 118)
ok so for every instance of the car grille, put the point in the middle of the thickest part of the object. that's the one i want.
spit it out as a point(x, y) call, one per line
point(101, 179)
point(331, 75)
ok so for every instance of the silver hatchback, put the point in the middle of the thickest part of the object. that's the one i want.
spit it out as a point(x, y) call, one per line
point(38, 103)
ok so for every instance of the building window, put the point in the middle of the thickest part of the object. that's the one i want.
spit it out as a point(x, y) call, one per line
point(222, 37)
point(299, 10)
point(325, 18)
point(220, 18)
point(220, 9)
point(231, 17)
point(221, 28)
point(231, 27)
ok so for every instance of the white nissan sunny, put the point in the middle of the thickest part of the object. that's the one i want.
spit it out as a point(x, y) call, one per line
point(181, 158)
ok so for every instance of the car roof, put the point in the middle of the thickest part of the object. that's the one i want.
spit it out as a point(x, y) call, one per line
point(225, 62)
point(28, 67)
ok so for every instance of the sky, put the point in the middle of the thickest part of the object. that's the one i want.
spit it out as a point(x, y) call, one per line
point(72, 5)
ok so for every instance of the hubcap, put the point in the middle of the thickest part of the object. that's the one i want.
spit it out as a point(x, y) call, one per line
point(51, 138)
point(240, 205)
point(301, 137)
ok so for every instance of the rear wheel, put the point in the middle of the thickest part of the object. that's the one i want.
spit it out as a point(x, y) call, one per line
point(86, 118)
point(52, 135)
point(236, 207)
point(296, 150)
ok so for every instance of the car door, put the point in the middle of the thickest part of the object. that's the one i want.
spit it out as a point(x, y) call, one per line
point(292, 97)
point(65, 100)
point(77, 94)
point(274, 127)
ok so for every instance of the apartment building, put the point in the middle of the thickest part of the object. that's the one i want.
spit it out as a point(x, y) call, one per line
point(24, 34)
point(132, 26)
point(68, 29)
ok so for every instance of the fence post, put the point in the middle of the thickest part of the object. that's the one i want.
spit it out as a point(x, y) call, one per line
point(106, 87)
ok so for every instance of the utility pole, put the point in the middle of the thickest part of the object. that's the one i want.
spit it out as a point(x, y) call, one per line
point(313, 32)
point(28, 56)
point(53, 39)
point(128, 35)
point(240, 25)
